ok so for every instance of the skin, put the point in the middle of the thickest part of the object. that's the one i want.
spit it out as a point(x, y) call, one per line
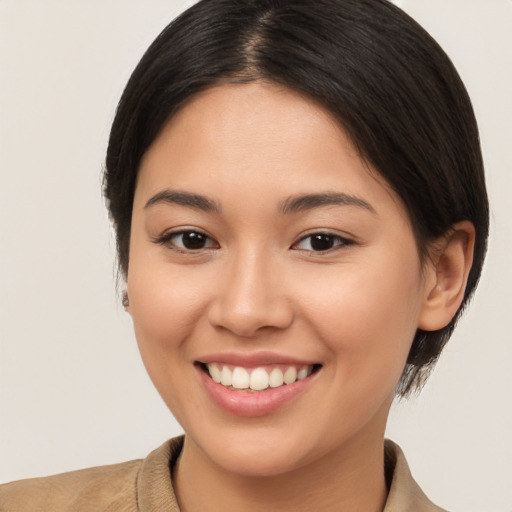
point(257, 286)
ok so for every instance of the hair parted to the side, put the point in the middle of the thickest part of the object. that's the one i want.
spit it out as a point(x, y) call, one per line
point(390, 85)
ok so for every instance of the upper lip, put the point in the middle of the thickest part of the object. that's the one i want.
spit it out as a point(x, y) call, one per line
point(253, 359)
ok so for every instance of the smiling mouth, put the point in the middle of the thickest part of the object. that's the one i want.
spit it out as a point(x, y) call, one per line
point(257, 379)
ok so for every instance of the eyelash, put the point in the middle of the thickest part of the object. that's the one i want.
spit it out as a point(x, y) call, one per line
point(337, 239)
point(167, 240)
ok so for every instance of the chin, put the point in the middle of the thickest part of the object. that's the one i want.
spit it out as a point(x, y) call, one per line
point(255, 460)
point(260, 452)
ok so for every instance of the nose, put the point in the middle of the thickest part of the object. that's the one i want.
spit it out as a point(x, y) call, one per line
point(251, 298)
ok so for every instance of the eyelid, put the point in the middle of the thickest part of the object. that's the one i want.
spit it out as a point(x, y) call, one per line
point(345, 241)
point(166, 238)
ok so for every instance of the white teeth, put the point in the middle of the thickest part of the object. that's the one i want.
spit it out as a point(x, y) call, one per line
point(275, 379)
point(214, 372)
point(240, 378)
point(302, 373)
point(225, 376)
point(290, 375)
point(258, 379)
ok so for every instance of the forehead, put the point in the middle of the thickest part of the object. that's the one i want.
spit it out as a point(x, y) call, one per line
point(261, 138)
point(258, 115)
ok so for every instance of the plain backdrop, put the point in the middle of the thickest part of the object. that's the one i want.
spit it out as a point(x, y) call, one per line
point(73, 390)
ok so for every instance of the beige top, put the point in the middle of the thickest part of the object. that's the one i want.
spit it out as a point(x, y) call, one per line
point(146, 486)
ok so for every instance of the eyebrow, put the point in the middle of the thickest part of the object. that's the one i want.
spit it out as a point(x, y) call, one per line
point(304, 202)
point(293, 204)
point(189, 199)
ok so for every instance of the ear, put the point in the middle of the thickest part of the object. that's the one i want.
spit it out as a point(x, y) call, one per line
point(447, 276)
point(126, 301)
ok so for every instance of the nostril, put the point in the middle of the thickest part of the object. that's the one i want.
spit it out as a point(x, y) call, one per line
point(250, 320)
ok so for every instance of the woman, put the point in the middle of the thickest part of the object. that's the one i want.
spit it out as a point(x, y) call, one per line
point(301, 216)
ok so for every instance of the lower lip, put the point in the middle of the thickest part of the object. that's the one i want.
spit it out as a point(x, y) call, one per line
point(253, 404)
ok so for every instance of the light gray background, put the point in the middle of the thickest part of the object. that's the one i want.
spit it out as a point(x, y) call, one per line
point(73, 391)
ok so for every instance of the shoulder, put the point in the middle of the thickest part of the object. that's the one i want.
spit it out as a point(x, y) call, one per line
point(137, 486)
point(102, 488)
point(405, 495)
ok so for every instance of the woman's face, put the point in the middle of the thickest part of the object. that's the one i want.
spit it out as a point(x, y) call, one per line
point(263, 247)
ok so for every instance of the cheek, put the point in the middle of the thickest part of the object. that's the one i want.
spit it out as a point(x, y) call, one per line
point(166, 309)
point(165, 306)
point(366, 315)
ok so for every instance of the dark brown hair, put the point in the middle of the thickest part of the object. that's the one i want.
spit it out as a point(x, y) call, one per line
point(393, 89)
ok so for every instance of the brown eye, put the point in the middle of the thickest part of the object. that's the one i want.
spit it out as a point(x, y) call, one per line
point(193, 240)
point(321, 242)
point(188, 241)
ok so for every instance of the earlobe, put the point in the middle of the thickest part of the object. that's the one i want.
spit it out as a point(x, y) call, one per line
point(126, 301)
point(448, 275)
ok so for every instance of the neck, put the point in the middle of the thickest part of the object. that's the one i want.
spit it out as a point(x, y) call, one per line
point(351, 478)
